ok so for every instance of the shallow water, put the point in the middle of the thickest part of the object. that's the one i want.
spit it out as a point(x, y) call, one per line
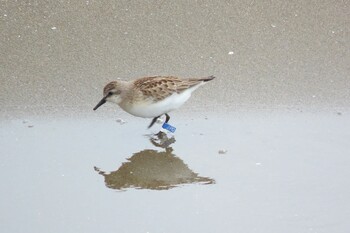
point(282, 172)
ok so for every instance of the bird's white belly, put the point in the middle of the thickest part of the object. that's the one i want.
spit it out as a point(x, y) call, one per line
point(149, 110)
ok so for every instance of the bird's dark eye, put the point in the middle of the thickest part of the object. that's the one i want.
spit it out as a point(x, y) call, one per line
point(110, 93)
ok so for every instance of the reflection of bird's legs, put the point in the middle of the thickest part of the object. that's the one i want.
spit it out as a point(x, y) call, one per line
point(163, 144)
point(161, 140)
point(156, 144)
point(153, 121)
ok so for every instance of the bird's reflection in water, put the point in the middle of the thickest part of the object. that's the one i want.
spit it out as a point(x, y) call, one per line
point(161, 140)
point(152, 169)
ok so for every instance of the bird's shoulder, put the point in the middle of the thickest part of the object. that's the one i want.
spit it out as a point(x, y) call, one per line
point(157, 87)
point(160, 87)
point(154, 81)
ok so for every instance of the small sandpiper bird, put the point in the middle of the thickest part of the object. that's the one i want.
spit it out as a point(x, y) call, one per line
point(151, 97)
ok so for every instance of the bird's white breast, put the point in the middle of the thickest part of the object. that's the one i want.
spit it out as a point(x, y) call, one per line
point(154, 109)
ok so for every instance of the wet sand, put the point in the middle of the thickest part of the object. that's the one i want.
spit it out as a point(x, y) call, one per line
point(262, 148)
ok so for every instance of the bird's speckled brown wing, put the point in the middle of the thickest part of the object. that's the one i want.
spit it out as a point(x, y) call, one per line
point(160, 87)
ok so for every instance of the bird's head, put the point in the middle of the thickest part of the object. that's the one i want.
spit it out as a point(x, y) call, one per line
point(111, 93)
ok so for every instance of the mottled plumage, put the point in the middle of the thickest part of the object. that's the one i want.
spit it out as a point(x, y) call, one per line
point(159, 87)
point(151, 97)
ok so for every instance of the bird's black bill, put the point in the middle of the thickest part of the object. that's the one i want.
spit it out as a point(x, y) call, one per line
point(100, 103)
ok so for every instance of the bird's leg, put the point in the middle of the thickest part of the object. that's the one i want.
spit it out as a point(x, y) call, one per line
point(167, 118)
point(153, 121)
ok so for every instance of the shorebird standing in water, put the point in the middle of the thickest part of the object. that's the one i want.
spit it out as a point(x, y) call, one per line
point(151, 97)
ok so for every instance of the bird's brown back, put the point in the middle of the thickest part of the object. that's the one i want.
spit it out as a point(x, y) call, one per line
point(160, 87)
